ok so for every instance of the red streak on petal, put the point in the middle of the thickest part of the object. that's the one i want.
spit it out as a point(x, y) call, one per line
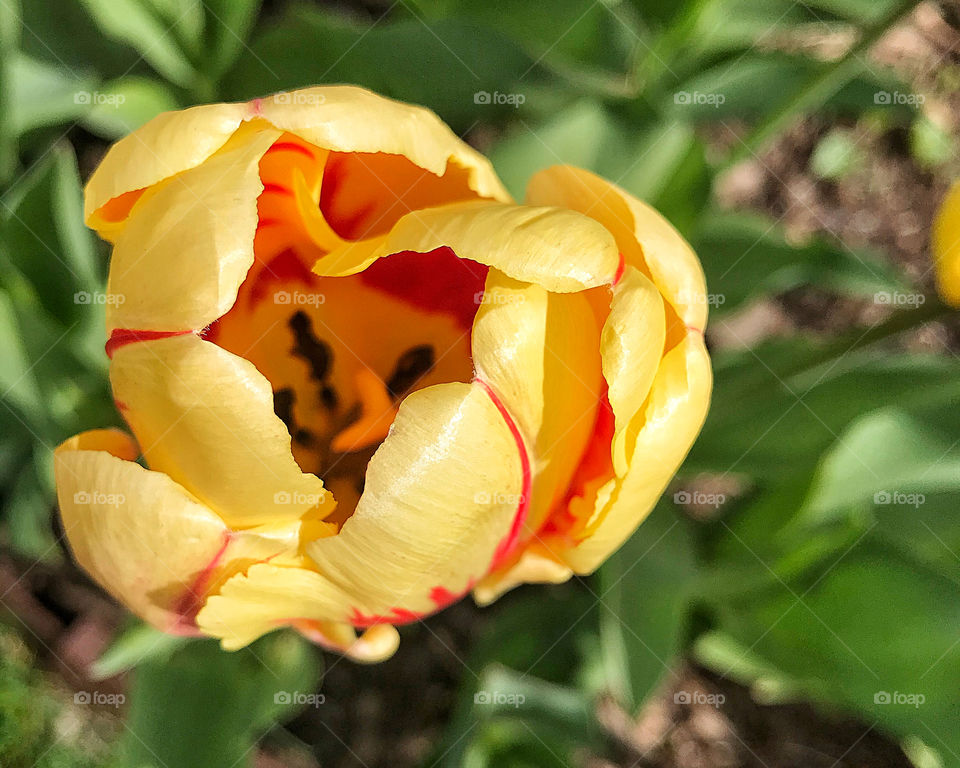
point(595, 463)
point(396, 616)
point(440, 595)
point(121, 406)
point(444, 597)
point(290, 146)
point(123, 336)
point(436, 281)
point(507, 545)
point(188, 605)
point(695, 329)
point(621, 266)
point(268, 223)
point(279, 189)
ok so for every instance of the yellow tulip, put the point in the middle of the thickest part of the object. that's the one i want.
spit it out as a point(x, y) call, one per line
point(946, 247)
point(364, 380)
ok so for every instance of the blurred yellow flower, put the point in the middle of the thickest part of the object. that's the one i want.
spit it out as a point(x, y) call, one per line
point(364, 380)
point(946, 247)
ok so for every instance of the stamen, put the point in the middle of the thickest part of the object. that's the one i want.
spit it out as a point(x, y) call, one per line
point(309, 347)
point(305, 437)
point(412, 366)
point(328, 396)
point(283, 401)
point(283, 405)
point(377, 411)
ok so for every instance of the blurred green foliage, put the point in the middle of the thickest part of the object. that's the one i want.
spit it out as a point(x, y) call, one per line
point(38, 727)
point(810, 581)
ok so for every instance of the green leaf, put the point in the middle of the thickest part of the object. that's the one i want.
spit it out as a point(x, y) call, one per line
point(582, 135)
point(646, 590)
point(205, 708)
point(737, 25)
point(140, 24)
point(183, 20)
point(727, 657)
point(867, 632)
point(574, 29)
point(889, 457)
point(27, 512)
point(442, 66)
point(541, 632)
point(760, 84)
point(505, 692)
point(123, 106)
point(136, 645)
point(63, 35)
point(10, 24)
point(43, 237)
point(44, 94)
point(746, 255)
point(793, 419)
point(667, 167)
point(521, 720)
point(228, 23)
point(18, 384)
point(857, 11)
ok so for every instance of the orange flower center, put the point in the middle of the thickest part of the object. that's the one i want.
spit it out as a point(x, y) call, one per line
point(342, 352)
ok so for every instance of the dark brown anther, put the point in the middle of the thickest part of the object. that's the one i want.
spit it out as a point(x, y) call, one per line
point(316, 352)
point(328, 396)
point(283, 405)
point(412, 365)
point(305, 437)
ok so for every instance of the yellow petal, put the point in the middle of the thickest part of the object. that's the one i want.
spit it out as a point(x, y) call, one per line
point(147, 540)
point(646, 239)
point(168, 144)
point(440, 495)
point(632, 345)
point(946, 247)
point(539, 351)
point(265, 598)
point(184, 252)
point(268, 597)
point(339, 118)
point(558, 249)
point(507, 344)
point(377, 643)
point(663, 432)
point(205, 417)
point(535, 565)
point(344, 118)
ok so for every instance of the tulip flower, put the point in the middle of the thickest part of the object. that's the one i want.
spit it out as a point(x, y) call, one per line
point(362, 381)
point(946, 247)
